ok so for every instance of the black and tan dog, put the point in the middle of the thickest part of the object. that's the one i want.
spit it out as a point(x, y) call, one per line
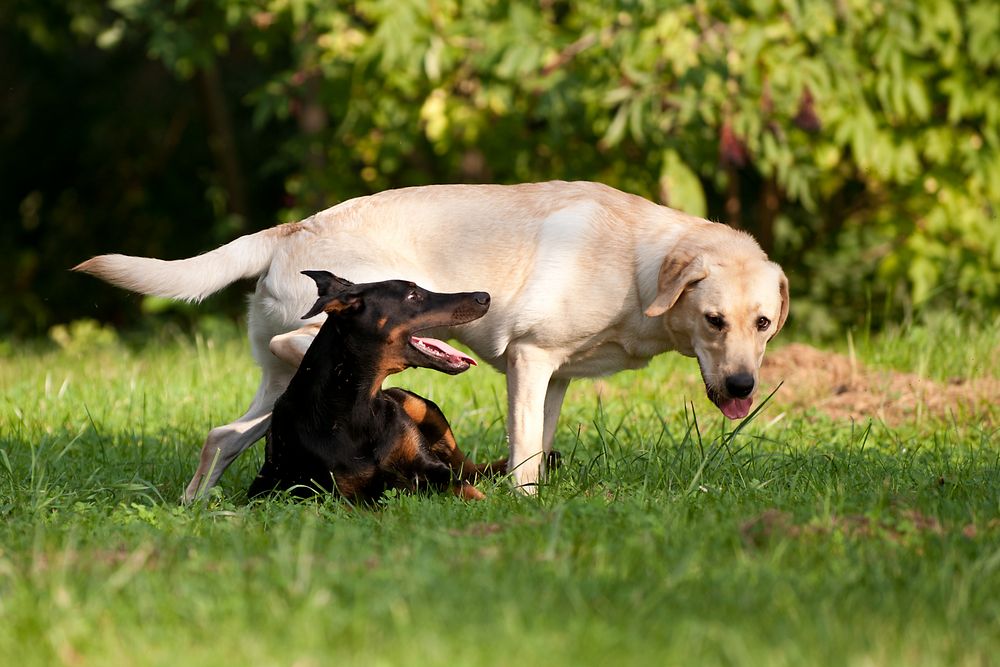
point(335, 429)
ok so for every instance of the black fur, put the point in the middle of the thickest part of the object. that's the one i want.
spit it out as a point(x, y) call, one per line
point(335, 430)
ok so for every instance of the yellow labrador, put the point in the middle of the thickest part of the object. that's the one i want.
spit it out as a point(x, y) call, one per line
point(585, 280)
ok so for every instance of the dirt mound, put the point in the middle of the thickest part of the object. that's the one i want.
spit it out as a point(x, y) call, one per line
point(846, 389)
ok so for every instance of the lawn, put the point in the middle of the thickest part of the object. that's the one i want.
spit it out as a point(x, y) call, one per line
point(669, 535)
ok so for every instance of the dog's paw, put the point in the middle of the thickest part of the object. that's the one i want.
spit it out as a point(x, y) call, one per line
point(466, 491)
point(553, 460)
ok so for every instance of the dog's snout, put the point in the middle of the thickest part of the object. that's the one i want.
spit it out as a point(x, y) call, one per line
point(740, 385)
point(482, 298)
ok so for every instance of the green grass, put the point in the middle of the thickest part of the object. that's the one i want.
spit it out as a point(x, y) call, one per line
point(668, 536)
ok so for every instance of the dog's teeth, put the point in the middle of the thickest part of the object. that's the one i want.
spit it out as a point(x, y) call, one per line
point(442, 350)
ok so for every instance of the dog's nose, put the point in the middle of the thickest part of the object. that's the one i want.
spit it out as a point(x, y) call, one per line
point(739, 385)
point(482, 298)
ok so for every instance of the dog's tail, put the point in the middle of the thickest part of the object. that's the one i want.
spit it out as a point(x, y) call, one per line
point(194, 278)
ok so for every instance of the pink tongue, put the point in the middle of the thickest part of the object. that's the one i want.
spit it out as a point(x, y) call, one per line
point(444, 348)
point(736, 408)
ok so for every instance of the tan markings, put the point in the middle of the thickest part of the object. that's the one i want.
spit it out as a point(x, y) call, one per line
point(470, 471)
point(466, 491)
point(415, 408)
point(437, 431)
point(393, 361)
point(382, 322)
point(353, 484)
point(438, 440)
point(337, 305)
point(444, 446)
point(404, 451)
point(386, 365)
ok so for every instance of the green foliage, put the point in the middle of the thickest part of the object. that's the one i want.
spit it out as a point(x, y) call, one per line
point(859, 141)
point(83, 337)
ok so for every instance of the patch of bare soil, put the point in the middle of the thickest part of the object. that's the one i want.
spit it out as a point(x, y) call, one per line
point(846, 389)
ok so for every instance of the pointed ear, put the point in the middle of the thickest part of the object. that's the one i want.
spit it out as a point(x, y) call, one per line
point(676, 274)
point(783, 313)
point(333, 294)
point(325, 281)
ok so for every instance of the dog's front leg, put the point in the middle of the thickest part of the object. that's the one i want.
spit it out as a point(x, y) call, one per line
point(529, 370)
point(553, 406)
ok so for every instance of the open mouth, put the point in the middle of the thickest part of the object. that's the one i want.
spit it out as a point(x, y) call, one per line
point(733, 408)
point(442, 353)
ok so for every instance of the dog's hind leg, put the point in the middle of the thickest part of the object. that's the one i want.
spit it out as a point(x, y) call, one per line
point(291, 347)
point(278, 358)
point(439, 438)
point(225, 443)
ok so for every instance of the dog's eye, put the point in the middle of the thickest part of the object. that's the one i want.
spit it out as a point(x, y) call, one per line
point(763, 323)
point(716, 321)
point(414, 295)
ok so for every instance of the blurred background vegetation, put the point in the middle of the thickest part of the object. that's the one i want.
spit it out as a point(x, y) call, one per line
point(857, 139)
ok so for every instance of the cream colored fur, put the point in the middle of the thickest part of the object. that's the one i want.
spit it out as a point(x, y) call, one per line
point(585, 280)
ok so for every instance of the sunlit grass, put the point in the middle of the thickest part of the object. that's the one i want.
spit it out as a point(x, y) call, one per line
point(668, 536)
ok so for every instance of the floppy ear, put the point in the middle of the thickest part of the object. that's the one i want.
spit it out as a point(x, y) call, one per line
point(676, 275)
point(333, 294)
point(783, 313)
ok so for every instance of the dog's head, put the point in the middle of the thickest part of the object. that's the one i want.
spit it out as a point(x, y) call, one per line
point(723, 309)
point(390, 314)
